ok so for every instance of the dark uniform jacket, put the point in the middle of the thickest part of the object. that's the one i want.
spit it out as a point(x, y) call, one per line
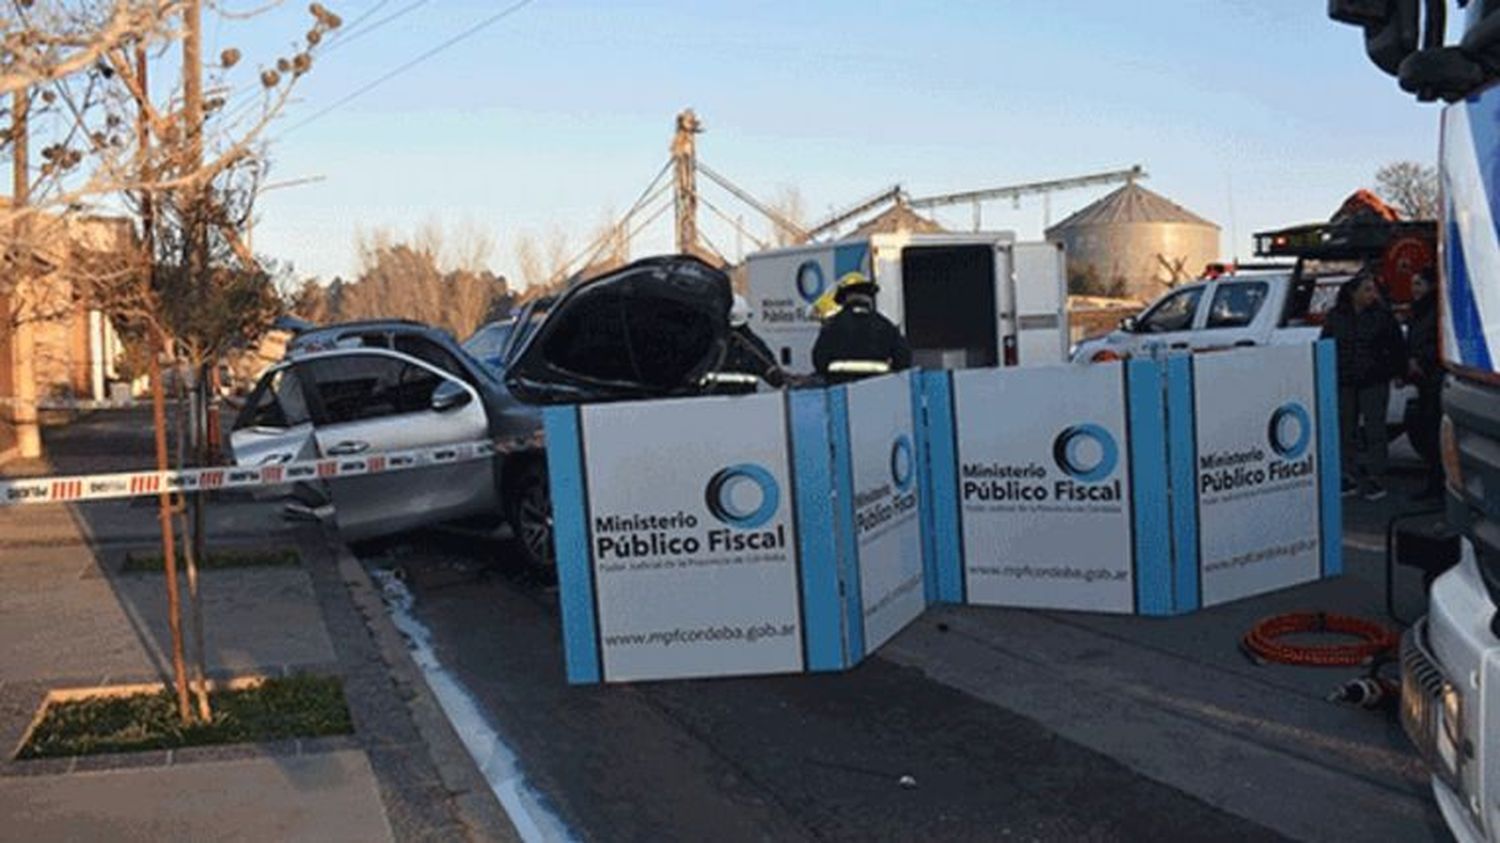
point(858, 332)
point(1371, 350)
point(1422, 338)
point(748, 354)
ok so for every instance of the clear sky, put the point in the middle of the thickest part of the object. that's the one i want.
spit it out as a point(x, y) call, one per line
point(1253, 113)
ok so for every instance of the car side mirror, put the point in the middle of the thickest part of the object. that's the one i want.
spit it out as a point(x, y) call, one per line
point(450, 395)
point(1128, 324)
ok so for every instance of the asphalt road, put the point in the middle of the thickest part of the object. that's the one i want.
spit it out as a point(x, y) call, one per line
point(790, 758)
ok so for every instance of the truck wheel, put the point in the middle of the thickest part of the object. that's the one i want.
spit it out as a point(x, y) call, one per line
point(530, 514)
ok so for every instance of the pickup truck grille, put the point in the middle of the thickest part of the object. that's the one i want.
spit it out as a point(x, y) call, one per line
point(1422, 698)
point(1474, 409)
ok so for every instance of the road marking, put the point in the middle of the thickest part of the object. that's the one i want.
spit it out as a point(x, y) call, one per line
point(496, 761)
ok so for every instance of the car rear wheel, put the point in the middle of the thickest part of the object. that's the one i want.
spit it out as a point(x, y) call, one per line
point(531, 516)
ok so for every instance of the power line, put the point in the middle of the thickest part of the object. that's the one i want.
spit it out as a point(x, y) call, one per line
point(354, 33)
point(354, 24)
point(397, 71)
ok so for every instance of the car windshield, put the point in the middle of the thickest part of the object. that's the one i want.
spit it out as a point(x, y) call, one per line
point(487, 342)
point(1173, 313)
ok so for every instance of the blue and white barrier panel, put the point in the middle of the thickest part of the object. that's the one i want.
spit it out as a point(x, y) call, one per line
point(735, 536)
point(799, 531)
point(678, 542)
point(1255, 452)
point(1049, 487)
point(876, 442)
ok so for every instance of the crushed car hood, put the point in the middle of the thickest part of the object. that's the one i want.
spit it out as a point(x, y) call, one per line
point(650, 329)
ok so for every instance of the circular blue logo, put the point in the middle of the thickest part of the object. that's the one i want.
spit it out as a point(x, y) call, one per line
point(744, 496)
point(1086, 452)
point(903, 464)
point(810, 282)
point(1290, 431)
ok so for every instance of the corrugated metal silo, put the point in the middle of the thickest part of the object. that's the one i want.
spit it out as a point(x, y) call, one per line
point(1136, 243)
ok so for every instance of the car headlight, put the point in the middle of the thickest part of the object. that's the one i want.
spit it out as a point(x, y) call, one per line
point(1448, 449)
point(1450, 741)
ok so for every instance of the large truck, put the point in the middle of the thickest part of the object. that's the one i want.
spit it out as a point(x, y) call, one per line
point(963, 300)
point(1450, 660)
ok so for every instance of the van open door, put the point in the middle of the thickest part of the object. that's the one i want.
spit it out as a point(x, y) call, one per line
point(1041, 297)
point(950, 304)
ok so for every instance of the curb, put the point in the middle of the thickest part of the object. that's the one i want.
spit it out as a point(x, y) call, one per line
point(473, 801)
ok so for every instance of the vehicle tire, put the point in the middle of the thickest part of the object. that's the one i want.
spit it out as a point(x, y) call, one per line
point(529, 510)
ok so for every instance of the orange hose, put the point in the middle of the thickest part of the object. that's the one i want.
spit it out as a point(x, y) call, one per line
point(1262, 645)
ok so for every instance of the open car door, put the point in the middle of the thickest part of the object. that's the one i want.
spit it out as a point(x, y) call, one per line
point(651, 329)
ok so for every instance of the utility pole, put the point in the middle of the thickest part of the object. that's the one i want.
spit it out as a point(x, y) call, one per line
point(28, 432)
point(198, 282)
point(158, 341)
point(685, 164)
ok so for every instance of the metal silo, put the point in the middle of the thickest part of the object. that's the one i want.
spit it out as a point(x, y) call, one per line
point(1136, 243)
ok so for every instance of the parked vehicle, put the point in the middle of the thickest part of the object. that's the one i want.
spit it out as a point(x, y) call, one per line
point(1259, 308)
point(1450, 661)
point(1232, 311)
point(962, 300)
point(395, 384)
point(493, 343)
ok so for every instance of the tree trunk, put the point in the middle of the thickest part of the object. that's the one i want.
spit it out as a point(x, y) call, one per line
point(168, 547)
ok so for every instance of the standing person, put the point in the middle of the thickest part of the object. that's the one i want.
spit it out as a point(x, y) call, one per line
point(1371, 353)
point(747, 358)
point(857, 342)
point(1426, 374)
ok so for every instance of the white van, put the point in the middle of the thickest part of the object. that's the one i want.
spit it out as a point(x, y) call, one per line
point(962, 300)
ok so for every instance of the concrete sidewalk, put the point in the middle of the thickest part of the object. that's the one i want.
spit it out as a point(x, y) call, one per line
point(1176, 700)
point(72, 618)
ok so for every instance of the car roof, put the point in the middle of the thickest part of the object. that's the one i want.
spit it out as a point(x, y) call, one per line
point(319, 338)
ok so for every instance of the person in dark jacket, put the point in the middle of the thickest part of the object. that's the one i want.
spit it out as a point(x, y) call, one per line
point(1371, 353)
point(747, 358)
point(857, 342)
point(1426, 374)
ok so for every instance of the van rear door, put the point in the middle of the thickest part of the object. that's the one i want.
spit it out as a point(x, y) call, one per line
point(950, 304)
point(1041, 296)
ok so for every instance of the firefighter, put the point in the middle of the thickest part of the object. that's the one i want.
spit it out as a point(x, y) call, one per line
point(747, 359)
point(857, 342)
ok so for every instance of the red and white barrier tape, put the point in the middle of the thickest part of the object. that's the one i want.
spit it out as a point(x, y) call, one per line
point(129, 484)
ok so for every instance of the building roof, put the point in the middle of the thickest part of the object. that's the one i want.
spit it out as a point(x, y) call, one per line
point(898, 217)
point(1130, 204)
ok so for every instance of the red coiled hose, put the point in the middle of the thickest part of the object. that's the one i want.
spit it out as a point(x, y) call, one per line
point(1261, 643)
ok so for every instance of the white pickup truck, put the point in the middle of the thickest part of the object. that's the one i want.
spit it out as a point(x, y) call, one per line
point(1233, 311)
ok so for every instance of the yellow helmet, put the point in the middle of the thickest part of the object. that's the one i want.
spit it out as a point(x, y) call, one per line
point(850, 282)
point(825, 305)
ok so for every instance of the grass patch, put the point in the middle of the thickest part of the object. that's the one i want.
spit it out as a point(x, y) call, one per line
point(277, 709)
point(150, 562)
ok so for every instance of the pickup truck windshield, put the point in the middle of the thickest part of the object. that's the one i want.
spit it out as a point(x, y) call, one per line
point(1236, 304)
point(1173, 313)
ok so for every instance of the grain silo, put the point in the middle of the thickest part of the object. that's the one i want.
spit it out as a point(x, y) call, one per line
point(1135, 243)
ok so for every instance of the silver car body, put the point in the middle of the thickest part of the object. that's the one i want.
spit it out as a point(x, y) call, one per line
point(377, 504)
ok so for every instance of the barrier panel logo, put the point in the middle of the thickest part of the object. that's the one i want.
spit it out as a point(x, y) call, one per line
point(1086, 452)
point(903, 463)
point(883, 506)
point(743, 496)
point(1087, 457)
point(1290, 431)
point(810, 281)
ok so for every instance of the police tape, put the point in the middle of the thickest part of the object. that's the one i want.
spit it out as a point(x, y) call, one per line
point(130, 484)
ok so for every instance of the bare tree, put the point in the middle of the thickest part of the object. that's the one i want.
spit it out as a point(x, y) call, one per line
point(790, 206)
point(1411, 187)
point(435, 276)
point(541, 262)
point(188, 164)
